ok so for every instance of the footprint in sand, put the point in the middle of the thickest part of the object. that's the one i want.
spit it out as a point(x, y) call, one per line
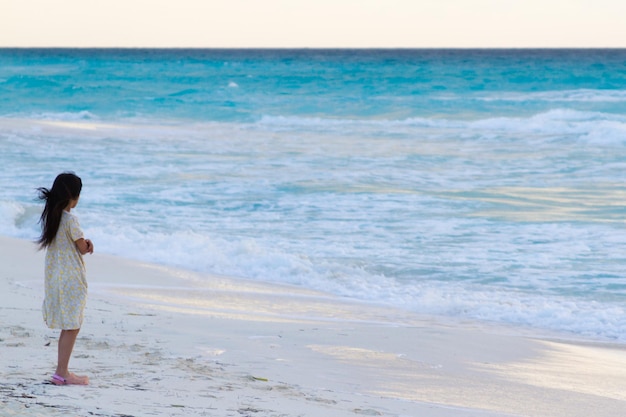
point(367, 412)
point(15, 332)
point(18, 331)
point(98, 345)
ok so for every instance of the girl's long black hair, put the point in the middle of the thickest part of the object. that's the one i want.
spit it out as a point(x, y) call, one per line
point(66, 187)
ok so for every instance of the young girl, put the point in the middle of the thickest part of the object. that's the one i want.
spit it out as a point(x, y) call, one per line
point(66, 283)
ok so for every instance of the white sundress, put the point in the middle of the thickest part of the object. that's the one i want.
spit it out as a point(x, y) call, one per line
point(65, 278)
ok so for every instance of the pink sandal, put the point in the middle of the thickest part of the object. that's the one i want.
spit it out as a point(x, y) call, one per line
point(59, 380)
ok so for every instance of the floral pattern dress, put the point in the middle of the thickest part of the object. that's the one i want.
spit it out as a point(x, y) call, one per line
point(65, 278)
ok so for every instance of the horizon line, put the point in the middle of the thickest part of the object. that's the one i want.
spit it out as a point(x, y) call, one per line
point(329, 48)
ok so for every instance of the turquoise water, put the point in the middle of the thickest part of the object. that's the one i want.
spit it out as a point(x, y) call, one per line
point(483, 184)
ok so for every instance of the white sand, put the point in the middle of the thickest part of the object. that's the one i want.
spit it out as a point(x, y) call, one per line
point(164, 342)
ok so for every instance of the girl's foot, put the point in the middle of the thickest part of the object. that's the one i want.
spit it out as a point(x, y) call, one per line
point(71, 379)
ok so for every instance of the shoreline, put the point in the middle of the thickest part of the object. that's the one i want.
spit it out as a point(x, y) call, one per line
point(161, 341)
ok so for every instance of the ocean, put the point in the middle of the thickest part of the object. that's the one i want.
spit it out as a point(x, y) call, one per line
point(483, 185)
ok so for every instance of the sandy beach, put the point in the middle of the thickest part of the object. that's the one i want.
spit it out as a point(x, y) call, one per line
point(163, 342)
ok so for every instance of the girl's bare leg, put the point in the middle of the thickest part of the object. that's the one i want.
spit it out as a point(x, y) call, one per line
point(66, 346)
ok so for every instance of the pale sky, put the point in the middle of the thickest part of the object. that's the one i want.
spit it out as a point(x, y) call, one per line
point(313, 23)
